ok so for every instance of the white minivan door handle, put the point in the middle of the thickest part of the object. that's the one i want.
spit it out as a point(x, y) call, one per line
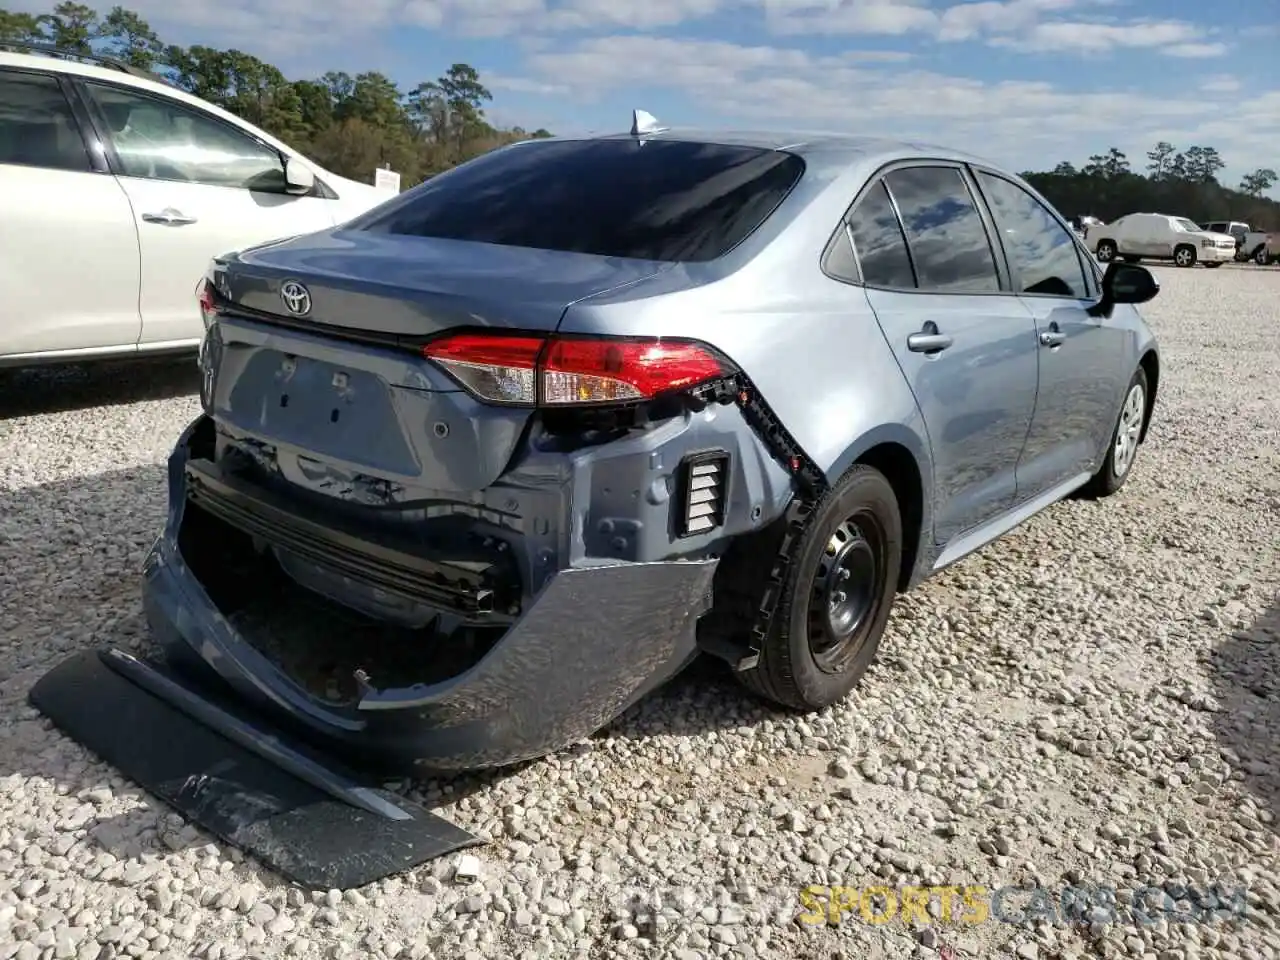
point(168, 216)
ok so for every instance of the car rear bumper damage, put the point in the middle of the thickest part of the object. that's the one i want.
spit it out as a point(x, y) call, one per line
point(597, 637)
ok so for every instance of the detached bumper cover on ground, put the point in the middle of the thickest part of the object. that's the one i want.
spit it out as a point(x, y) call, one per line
point(305, 816)
point(596, 639)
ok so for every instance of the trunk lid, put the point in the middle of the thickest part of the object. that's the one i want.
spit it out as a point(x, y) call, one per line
point(419, 286)
point(338, 399)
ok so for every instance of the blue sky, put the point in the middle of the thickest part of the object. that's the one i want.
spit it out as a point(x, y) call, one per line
point(1024, 82)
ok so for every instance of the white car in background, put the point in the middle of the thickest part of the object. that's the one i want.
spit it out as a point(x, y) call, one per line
point(1158, 236)
point(117, 191)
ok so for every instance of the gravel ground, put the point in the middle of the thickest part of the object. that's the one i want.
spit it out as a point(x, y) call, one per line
point(1094, 699)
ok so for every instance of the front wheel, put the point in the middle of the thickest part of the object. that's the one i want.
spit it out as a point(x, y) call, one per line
point(1125, 438)
point(1261, 257)
point(1184, 256)
point(837, 596)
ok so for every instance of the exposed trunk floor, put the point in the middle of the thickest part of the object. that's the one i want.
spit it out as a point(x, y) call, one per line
point(321, 645)
point(316, 641)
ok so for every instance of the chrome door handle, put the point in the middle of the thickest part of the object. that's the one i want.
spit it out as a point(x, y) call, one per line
point(168, 217)
point(1052, 338)
point(928, 342)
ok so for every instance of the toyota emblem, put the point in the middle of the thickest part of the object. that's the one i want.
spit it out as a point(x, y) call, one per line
point(296, 297)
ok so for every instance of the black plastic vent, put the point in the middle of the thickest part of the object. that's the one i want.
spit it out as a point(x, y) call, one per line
point(705, 481)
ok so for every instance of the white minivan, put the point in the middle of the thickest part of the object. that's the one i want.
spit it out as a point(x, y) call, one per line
point(117, 191)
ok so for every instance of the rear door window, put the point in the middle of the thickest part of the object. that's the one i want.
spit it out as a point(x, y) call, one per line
point(664, 200)
point(947, 237)
point(37, 127)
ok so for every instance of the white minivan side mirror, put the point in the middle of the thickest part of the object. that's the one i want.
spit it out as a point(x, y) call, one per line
point(298, 178)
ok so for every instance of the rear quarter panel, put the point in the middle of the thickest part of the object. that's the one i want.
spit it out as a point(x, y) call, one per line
point(809, 343)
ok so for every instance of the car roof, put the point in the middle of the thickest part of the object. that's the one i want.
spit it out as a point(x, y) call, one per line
point(55, 62)
point(822, 149)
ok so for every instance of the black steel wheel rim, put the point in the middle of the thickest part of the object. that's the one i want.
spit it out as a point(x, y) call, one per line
point(845, 592)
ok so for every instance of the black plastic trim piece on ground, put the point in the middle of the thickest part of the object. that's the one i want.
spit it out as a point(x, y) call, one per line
point(297, 829)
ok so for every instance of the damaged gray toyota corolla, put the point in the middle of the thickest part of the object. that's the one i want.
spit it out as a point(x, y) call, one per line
point(481, 468)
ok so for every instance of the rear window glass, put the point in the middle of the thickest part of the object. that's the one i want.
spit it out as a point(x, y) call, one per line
point(661, 200)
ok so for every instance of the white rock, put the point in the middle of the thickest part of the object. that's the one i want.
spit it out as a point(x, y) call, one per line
point(467, 868)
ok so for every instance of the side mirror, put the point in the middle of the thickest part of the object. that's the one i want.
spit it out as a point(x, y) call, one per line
point(298, 178)
point(1129, 283)
point(1125, 283)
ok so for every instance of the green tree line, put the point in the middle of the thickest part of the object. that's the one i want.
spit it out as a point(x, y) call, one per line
point(353, 124)
point(349, 124)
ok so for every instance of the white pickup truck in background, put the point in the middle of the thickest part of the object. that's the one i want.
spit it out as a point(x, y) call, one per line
point(1255, 245)
point(1159, 236)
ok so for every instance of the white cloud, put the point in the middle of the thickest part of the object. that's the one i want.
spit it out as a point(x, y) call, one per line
point(499, 82)
point(1025, 25)
point(967, 21)
point(1247, 132)
point(625, 14)
point(1030, 25)
point(1015, 122)
point(1196, 50)
point(1066, 36)
point(1220, 83)
point(280, 24)
point(884, 17)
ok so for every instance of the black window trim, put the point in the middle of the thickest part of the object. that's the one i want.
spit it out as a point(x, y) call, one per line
point(83, 124)
point(975, 169)
point(902, 229)
point(1003, 274)
point(321, 189)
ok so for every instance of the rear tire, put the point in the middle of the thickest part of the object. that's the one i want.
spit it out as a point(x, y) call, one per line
point(1261, 257)
point(1184, 255)
point(1122, 449)
point(1106, 251)
point(836, 600)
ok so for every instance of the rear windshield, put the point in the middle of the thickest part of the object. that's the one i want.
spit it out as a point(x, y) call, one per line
point(655, 200)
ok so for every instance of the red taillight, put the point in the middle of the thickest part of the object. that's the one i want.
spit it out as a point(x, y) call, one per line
point(562, 370)
point(601, 371)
